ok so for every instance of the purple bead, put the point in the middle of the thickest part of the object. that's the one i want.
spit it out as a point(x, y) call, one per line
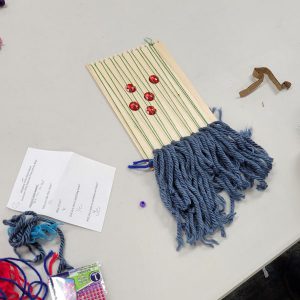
point(142, 204)
point(2, 3)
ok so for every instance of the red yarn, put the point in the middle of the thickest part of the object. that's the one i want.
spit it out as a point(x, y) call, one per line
point(52, 261)
point(9, 271)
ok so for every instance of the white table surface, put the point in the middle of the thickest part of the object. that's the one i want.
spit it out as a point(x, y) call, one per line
point(49, 101)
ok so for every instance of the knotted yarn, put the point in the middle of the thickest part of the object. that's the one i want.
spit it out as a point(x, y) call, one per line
point(193, 172)
point(28, 228)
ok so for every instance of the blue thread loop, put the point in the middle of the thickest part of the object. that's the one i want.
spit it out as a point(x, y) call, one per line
point(142, 164)
point(217, 111)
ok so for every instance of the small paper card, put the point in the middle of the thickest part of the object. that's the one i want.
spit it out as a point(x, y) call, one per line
point(64, 186)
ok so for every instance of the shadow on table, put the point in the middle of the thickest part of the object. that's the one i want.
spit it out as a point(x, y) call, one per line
point(283, 282)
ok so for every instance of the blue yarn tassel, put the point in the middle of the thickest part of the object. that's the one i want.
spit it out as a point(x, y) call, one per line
point(191, 174)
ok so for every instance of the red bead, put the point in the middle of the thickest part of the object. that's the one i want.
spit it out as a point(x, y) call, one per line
point(153, 79)
point(134, 105)
point(149, 96)
point(151, 110)
point(130, 88)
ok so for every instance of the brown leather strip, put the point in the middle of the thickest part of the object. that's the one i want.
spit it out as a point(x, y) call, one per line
point(259, 74)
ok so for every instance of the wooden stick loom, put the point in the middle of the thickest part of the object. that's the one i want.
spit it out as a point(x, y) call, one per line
point(180, 110)
point(197, 159)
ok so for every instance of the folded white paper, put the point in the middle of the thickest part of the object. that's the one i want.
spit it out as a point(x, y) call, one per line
point(64, 186)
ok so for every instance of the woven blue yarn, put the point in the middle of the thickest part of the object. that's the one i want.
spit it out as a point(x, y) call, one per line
point(25, 230)
point(191, 174)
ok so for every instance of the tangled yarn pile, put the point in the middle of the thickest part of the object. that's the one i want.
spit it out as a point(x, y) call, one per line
point(13, 280)
point(27, 229)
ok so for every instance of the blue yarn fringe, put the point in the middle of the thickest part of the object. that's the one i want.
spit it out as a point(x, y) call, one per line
point(191, 174)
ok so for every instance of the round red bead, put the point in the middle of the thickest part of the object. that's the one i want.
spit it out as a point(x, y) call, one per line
point(153, 79)
point(151, 110)
point(134, 105)
point(130, 88)
point(149, 96)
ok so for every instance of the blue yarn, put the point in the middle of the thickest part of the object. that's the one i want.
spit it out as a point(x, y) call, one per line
point(45, 231)
point(247, 132)
point(27, 228)
point(217, 111)
point(4, 297)
point(50, 254)
point(191, 174)
point(142, 164)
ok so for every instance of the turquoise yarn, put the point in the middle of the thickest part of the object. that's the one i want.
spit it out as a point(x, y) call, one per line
point(44, 231)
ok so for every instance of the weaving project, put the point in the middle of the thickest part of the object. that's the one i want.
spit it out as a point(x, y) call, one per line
point(194, 156)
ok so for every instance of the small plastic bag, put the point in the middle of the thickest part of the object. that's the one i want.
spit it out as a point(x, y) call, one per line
point(78, 284)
